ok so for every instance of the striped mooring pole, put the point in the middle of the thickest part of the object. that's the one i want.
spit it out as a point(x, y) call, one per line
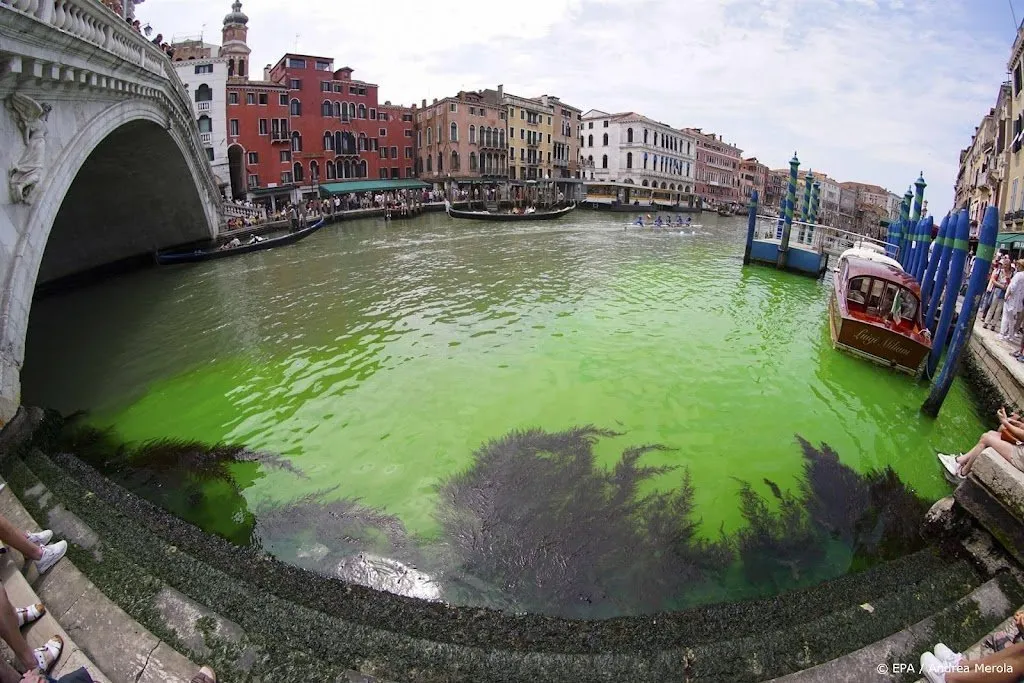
point(957, 259)
point(905, 227)
point(941, 272)
point(751, 224)
point(924, 234)
point(933, 263)
point(968, 311)
point(787, 228)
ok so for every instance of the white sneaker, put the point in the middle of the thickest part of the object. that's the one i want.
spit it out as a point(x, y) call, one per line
point(51, 554)
point(933, 668)
point(947, 656)
point(40, 537)
point(950, 464)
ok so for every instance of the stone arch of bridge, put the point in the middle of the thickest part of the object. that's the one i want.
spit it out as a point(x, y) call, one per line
point(127, 183)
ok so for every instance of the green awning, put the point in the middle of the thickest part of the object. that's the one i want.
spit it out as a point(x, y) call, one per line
point(372, 186)
point(1008, 238)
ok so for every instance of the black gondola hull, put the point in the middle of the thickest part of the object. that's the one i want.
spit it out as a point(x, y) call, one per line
point(508, 217)
point(175, 257)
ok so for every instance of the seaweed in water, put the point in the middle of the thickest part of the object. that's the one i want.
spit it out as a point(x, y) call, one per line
point(535, 515)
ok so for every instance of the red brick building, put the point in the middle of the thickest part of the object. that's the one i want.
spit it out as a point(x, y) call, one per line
point(306, 123)
point(717, 171)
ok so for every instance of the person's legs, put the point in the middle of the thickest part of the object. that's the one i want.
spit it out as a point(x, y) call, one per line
point(11, 633)
point(987, 440)
point(15, 538)
point(1011, 660)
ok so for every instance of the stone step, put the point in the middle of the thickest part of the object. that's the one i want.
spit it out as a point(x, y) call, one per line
point(257, 597)
point(97, 634)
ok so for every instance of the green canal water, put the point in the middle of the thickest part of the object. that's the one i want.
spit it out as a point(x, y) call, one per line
point(379, 361)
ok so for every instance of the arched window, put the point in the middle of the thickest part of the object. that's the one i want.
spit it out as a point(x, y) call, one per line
point(440, 163)
point(362, 111)
point(241, 68)
point(644, 183)
point(346, 169)
point(295, 108)
point(671, 186)
point(351, 110)
point(314, 171)
point(231, 68)
point(455, 161)
point(429, 133)
point(455, 132)
point(336, 110)
point(205, 124)
point(645, 136)
point(472, 158)
point(204, 93)
point(363, 143)
point(296, 141)
point(326, 109)
point(629, 160)
point(590, 141)
point(430, 164)
point(330, 170)
point(328, 142)
point(629, 135)
point(297, 172)
point(344, 111)
point(501, 138)
point(472, 135)
point(605, 140)
point(362, 168)
point(604, 161)
point(590, 159)
point(664, 185)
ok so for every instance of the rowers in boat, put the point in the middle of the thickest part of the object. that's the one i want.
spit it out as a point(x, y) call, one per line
point(875, 311)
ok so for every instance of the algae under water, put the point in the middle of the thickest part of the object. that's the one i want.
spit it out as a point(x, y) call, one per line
point(435, 385)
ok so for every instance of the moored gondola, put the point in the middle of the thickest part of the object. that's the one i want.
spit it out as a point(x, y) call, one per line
point(197, 255)
point(488, 216)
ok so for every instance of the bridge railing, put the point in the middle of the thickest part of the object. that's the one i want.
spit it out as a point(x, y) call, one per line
point(95, 23)
point(815, 237)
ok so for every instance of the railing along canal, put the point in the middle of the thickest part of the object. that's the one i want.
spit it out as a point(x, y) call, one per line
point(816, 237)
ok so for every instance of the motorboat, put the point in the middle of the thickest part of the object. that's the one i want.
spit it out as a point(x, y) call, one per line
point(505, 217)
point(875, 311)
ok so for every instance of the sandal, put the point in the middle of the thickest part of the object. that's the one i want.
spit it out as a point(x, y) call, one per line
point(205, 675)
point(49, 653)
point(26, 615)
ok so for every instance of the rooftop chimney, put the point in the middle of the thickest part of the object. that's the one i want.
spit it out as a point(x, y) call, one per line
point(424, 105)
point(501, 91)
point(435, 101)
point(266, 72)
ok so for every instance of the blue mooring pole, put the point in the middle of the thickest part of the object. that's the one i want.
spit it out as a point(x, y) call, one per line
point(941, 272)
point(905, 227)
point(925, 236)
point(751, 224)
point(787, 228)
point(913, 244)
point(965, 323)
point(933, 263)
point(956, 275)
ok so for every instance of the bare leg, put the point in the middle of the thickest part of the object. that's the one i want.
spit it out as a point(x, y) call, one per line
point(7, 672)
point(1012, 658)
point(11, 633)
point(988, 440)
point(15, 538)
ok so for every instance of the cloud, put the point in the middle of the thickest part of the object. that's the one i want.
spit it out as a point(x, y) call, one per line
point(869, 90)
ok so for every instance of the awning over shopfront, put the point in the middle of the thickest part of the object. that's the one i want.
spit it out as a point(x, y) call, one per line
point(1010, 240)
point(371, 186)
point(267, 191)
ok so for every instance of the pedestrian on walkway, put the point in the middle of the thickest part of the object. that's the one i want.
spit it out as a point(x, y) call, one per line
point(998, 282)
point(1013, 303)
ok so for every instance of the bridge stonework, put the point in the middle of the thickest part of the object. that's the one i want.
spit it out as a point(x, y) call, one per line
point(100, 156)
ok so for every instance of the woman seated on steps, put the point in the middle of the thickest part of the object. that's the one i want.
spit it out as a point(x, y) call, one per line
point(1007, 442)
point(946, 666)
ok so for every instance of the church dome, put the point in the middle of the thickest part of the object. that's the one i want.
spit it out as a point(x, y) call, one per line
point(236, 16)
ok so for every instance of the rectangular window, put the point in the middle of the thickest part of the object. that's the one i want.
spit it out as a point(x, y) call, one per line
point(209, 153)
point(408, 152)
point(511, 152)
point(352, 90)
point(373, 114)
point(394, 172)
point(522, 114)
point(233, 126)
point(283, 101)
point(326, 86)
point(263, 98)
point(263, 126)
point(254, 181)
point(522, 133)
point(250, 98)
point(549, 138)
point(381, 116)
point(407, 117)
point(383, 152)
point(338, 87)
point(322, 65)
point(1016, 79)
point(295, 84)
point(204, 68)
point(394, 152)
point(362, 91)
point(453, 107)
point(254, 158)
point(383, 132)
point(375, 144)
point(286, 176)
point(590, 124)
point(408, 133)
point(383, 174)
point(296, 63)
point(286, 155)
point(512, 133)
point(522, 154)
point(232, 98)
point(549, 120)
point(408, 171)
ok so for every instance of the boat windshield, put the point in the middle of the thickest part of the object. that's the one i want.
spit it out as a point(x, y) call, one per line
point(882, 298)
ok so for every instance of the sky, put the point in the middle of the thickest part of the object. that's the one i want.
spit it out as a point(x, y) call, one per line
point(870, 90)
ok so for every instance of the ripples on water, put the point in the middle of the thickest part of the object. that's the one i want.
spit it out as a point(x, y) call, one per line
point(378, 359)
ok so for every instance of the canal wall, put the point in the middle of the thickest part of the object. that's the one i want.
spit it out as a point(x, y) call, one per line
point(996, 378)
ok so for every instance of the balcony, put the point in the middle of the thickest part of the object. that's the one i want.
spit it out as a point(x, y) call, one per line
point(280, 136)
point(203, 106)
point(206, 138)
point(560, 163)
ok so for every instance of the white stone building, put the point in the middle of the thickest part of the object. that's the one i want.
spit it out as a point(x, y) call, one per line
point(631, 148)
point(205, 81)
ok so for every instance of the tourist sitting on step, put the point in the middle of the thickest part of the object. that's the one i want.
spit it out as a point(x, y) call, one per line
point(1007, 442)
point(945, 666)
point(11, 621)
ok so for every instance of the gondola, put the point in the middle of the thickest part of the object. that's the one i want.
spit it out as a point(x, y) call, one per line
point(197, 255)
point(488, 216)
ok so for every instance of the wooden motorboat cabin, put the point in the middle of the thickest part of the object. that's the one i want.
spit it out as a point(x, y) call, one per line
point(875, 312)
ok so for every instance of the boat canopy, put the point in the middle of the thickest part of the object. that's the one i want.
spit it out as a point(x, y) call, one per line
point(856, 266)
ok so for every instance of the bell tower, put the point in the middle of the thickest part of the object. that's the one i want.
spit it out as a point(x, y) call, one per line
point(233, 45)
